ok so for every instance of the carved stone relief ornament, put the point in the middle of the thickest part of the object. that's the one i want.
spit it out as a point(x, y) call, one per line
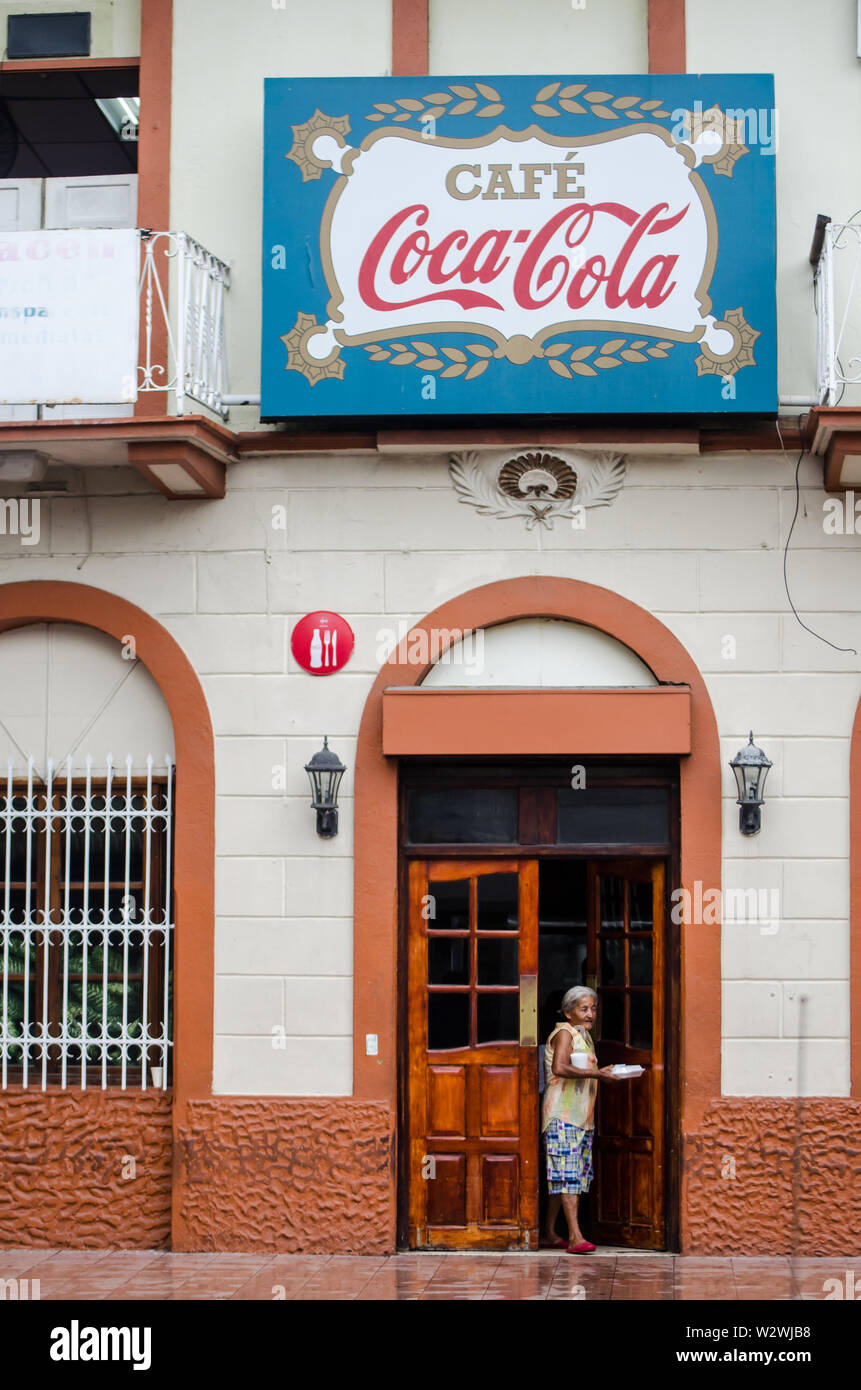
point(537, 487)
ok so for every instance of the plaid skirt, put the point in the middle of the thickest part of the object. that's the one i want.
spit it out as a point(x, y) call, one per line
point(569, 1157)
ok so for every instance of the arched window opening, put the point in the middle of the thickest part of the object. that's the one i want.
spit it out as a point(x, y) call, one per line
point(86, 866)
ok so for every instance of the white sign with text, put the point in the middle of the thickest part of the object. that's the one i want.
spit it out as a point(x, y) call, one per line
point(69, 317)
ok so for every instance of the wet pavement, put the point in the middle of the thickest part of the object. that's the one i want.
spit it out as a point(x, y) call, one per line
point(604, 1276)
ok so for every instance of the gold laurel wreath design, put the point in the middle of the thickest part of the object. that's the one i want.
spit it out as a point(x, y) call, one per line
point(601, 104)
point(613, 353)
point(431, 359)
point(437, 104)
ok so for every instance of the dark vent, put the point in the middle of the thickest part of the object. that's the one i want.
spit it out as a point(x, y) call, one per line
point(48, 36)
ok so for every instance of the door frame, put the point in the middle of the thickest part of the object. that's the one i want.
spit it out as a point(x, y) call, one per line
point(671, 858)
point(690, 731)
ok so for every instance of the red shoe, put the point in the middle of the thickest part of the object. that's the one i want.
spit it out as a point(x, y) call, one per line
point(584, 1248)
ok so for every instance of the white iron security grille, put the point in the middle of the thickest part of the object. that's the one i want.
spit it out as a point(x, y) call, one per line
point(196, 366)
point(836, 280)
point(86, 927)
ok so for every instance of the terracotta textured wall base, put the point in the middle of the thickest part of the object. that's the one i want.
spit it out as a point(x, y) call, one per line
point(773, 1177)
point(66, 1173)
point(285, 1176)
point(266, 1174)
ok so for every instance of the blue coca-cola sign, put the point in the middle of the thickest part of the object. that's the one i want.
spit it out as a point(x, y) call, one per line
point(519, 245)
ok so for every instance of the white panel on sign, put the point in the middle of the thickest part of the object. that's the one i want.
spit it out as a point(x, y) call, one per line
point(98, 200)
point(69, 316)
point(20, 204)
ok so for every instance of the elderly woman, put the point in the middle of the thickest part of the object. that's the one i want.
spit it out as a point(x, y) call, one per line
point(568, 1112)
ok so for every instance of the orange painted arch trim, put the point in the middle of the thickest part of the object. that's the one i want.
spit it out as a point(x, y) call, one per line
point(376, 828)
point(855, 907)
point(49, 601)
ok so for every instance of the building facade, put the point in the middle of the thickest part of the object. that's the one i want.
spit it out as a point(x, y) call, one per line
point(224, 1031)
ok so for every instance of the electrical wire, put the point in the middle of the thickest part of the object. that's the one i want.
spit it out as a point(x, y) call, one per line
point(789, 538)
point(847, 223)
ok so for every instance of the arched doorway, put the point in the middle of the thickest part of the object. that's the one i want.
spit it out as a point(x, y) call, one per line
point(401, 720)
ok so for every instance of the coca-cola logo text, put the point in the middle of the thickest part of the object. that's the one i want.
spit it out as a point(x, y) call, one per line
point(403, 250)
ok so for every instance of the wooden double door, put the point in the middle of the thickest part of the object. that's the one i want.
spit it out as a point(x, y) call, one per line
point(472, 1079)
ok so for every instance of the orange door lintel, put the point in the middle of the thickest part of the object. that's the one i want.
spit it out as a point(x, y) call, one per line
point(460, 723)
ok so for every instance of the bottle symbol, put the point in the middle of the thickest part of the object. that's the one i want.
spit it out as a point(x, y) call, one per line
point(316, 650)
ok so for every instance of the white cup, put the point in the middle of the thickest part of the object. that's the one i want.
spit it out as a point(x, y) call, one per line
point(157, 1074)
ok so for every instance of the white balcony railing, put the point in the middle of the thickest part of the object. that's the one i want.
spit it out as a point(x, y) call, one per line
point(196, 369)
point(95, 318)
point(836, 258)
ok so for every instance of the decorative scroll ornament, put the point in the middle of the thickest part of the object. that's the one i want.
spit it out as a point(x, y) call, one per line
point(705, 128)
point(302, 152)
point(710, 363)
point(300, 360)
point(537, 487)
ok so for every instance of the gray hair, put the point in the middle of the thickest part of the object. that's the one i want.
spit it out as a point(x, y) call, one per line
point(573, 996)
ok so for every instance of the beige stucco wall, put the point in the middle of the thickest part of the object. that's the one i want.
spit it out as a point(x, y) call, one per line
point(507, 36)
point(698, 542)
point(217, 143)
point(217, 129)
point(812, 51)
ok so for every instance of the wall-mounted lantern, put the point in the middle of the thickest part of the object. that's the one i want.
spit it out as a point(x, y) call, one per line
point(325, 771)
point(750, 766)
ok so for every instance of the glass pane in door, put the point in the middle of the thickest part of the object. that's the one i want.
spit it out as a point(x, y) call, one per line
point(448, 1021)
point(641, 1019)
point(498, 902)
point(497, 961)
point(448, 909)
point(497, 1018)
point(448, 960)
point(612, 902)
point(641, 906)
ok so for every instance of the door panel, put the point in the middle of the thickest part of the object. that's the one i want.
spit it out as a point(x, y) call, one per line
point(500, 1101)
point(447, 1102)
point(473, 1082)
point(447, 1191)
point(626, 965)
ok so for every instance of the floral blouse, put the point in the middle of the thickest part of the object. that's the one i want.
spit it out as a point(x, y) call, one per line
point(567, 1098)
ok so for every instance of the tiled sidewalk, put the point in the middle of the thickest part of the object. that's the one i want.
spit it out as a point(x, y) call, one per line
point(72, 1274)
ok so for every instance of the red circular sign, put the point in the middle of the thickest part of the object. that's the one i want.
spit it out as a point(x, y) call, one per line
point(322, 642)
